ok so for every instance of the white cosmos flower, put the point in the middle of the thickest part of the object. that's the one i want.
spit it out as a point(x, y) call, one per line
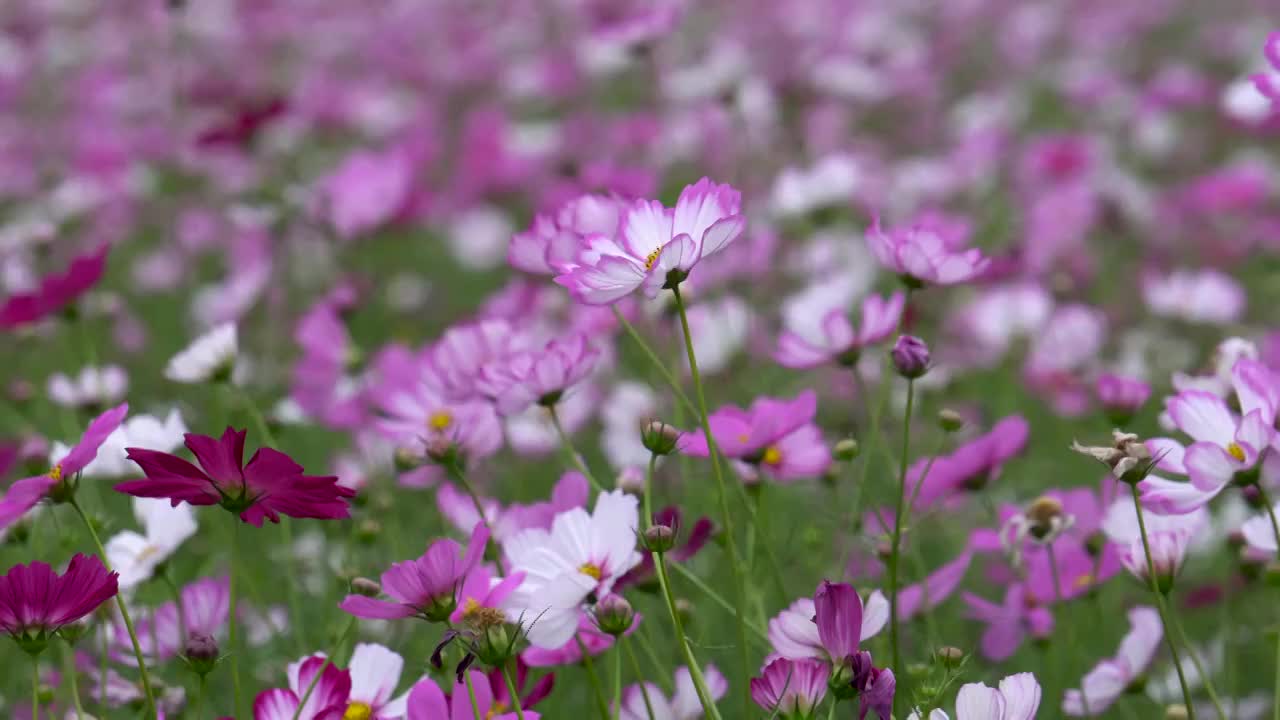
point(580, 555)
point(140, 431)
point(135, 556)
point(104, 385)
point(206, 357)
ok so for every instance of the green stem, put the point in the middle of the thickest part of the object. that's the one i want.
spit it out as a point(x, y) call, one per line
point(1058, 598)
point(233, 623)
point(718, 599)
point(35, 688)
point(896, 543)
point(617, 679)
point(177, 602)
point(635, 668)
point(102, 673)
point(1195, 660)
point(726, 516)
point(342, 639)
point(1160, 604)
point(657, 362)
point(569, 452)
point(454, 469)
point(593, 678)
point(69, 659)
point(471, 694)
point(511, 690)
point(124, 611)
point(200, 694)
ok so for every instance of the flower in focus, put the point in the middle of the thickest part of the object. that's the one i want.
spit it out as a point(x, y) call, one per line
point(428, 702)
point(682, 705)
point(791, 688)
point(910, 356)
point(136, 556)
point(1110, 678)
point(581, 557)
point(656, 247)
point(797, 633)
point(269, 485)
point(210, 357)
point(36, 602)
point(819, 331)
point(777, 436)
point(56, 291)
point(327, 701)
point(923, 254)
point(1017, 698)
point(24, 494)
point(542, 376)
point(875, 687)
point(426, 587)
point(670, 517)
point(93, 387)
point(375, 672)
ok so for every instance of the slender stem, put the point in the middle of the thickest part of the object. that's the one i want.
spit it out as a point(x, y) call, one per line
point(200, 695)
point(718, 599)
point(35, 688)
point(593, 678)
point(1160, 604)
point(69, 659)
point(567, 444)
point(653, 358)
point(232, 621)
point(328, 660)
point(471, 694)
point(511, 690)
point(1275, 529)
point(1200, 670)
point(896, 543)
point(102, 673)
point(454, 468)
point(617, 679)
point(635, 667)
point(1058, 598)
point(726, 516)
point(177, 603)
point(124, 612)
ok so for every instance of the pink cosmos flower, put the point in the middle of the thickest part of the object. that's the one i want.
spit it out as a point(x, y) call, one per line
point(1110, 678)
point(1268, 83)
point(1008, 623)
point(934, 589)
point(795, 633)
point(582, 555)
point(24, 494)
point(425, 587)
point(56, 291)
point(481, 590)
point(269, 485)
point(368, 190)
point(1168, 551)
point(35, 602)
point(321, 385)
point(1121, 396)
point(428, 702)
point(694, 541)
point(551, 243)
point(682, 705)
point(791, 688)
point(656, 247)
point(519, 380)
point(924, 254)
point(594, 641)
point(1197, 296)
point(827, 336)
point(206, 605)
point(416, 415)
point(778, 436)
point(1259, 534)
point(328, 699)
point(970, 467)
point(570, 491)
point(456, 357)
point(1017, 698)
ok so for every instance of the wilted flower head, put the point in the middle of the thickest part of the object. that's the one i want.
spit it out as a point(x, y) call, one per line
point(1125, 456)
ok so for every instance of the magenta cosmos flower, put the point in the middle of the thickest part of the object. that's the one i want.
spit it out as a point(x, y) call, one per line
point(35, 602)
point(328, 700)
point(822, 333)
point(270, 485)
point(830, 625)
point(24, 494)
point(778, 436)
point(428, 702)
point(923, 254)
point(56, 291)
point(1268, 83)
point(792, 689)
point(656, 246)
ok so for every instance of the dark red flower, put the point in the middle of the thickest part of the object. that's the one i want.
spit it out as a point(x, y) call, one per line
point(56, 291)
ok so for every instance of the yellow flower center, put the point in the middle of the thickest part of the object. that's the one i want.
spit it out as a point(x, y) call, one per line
point(358, 711)
point(772, 456)
point(1084, 581)
point(652, 258)
point(1235, 451)
point(591, 570)
point(495, 710)
point(440, 420)
point(56, 473)
point(470, 606)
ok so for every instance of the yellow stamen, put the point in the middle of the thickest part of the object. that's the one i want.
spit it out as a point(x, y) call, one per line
point(772, 456)
point(1235, 451)
point(1084, 581)
point(440, 420)
point(56, 473)
point(470, 606)
point(652, 258)
point(358, 711)
point(495, 710)
point(591, 570)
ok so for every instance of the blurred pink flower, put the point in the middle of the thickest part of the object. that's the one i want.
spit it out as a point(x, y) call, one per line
point(1103, 685)
point(55, 291)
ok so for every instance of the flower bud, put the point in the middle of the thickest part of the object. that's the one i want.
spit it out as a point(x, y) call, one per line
point(366, 587)
point(368, 531)
point(846, 450)
point(910, 356)
point(631, 480)
point(684, 609)
point(1121, 397)
point(614, 615)
point(949, 656)
point(659, 438)
point(407, 459)
point(949, 420)
point(659, 538)
point(201, 653)
point(1176, 712)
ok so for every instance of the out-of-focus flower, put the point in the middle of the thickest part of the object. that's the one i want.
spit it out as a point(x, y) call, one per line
point(144, 431)
point(55, 291)
point(719, 329)
point(791, 688)
point(36, 602)
point(657, 247)
point(92, 387)
point(1008, 623)
point(637, 700)
point(1121, 397)
point(427, 702)
point(822, 333)
point(211, 356)
point(367, 190)
point(542, 376)
point(1198, 296)
point(910, 356)
point(269, 485)
point(1109, 679)
point(925, 254)
point(1017, 698)
point(795, 633)
point(1168, 551)
point(1268, 83)
point(205, 608)
point(552, 241)
point(135, 556)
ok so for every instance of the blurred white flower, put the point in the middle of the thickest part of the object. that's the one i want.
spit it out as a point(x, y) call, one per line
point(140, 431)
point(100, 386)
point(165, 527)
point(207, 357)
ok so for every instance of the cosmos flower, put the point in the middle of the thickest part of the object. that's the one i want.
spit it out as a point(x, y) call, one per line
point(823, 334)
point(1168, 551)
point(427, 586)
point(1268, 83)
point(656, 247)
point(923, 254)
point(1121, 396)
point(1110, 678)
point(776, 435)
point(1016, 698)
point(682, 705)
point(694, 541)
point(136, 556)
point(24, 494)
point(552, 241)
point(457, 356)
point(205, 609)
point(56, 291)
point(146, 431)
point(211, 356)
point(1196, 296)
point(791, 688)
point(328, 699)
point(581, 555)
point(92, 387)
point(269, 485)
point(1008, 623)
point(795, 632)
point(543, 375)
point(428, 702)
point(36, 602)
point(368, 190)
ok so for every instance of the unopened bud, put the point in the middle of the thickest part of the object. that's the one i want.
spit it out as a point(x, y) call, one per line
point(950, 420)
point(659, 438)
point(684, 609)
point(1176, 712)
point(368, 531)
point(44, 695)
point(406, 460)
point(949, 656)
point(366, 587)
point(614, 615)
point(910, 356)
point(631, 480)
point(659, 538)
point(201, 653)
point(846, 450)
point(917, 670)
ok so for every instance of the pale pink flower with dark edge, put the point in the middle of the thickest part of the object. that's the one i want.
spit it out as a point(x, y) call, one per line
point(552, 242)
point(1017, 698)
point(328, 699)
point(271, 484)
point(56, 291)
point(798, 632)
point(791, 688)
point(24, 494)
point(1109, 679)
point(35, 602)
point(682, 705)
point(922, 254)
point(833, 338)
point(656, 247)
